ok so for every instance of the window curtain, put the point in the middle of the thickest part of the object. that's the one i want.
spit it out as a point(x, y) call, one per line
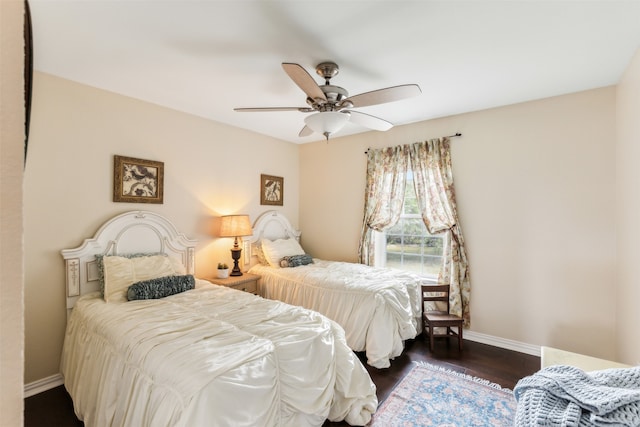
point(384, 195)
point(430, 162)
point(433, 180)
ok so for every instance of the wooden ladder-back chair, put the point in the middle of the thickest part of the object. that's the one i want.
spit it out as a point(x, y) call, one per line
point(436, 318)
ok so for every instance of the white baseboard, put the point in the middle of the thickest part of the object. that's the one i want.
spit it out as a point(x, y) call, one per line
point(521, 347)
point(44, 384)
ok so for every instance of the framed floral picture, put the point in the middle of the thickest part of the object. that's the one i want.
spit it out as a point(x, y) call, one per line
point(137, 180)
point(271, 190)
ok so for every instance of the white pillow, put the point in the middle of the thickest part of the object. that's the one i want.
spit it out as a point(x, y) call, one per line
point(275, 250)
point(121, 272)
point(257, 251)
point(178, 267)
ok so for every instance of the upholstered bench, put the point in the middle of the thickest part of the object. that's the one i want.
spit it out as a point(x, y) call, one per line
point(553, 356)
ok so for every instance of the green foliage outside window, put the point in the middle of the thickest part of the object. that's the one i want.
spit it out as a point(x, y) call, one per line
point(409, 245)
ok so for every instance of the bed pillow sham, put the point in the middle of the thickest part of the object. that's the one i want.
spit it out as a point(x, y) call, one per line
point(296, 261)
point(257, 251)
point(275, 250)
point(160, 287)
point(178, 267)
point(122, 272)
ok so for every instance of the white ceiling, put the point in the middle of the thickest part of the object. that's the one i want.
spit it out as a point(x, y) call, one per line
point(207, 57)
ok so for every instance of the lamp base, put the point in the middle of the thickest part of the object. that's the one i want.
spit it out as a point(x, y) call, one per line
point(235, 254)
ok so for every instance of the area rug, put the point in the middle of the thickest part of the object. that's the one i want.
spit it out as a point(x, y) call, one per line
point(430, 395)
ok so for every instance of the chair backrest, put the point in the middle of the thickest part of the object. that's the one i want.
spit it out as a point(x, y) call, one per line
point(435, 293)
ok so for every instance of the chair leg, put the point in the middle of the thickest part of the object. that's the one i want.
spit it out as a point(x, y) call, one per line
point(460, 337)
point(431, 337)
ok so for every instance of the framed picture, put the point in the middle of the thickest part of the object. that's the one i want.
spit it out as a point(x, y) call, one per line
point(271, 190)
point(137, 180)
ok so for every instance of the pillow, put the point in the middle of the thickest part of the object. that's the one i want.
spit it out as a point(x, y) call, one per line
point(295, 260)
point(100, 265)
point(178, 267)
point(275, 250)
point(121, 272)
point(160, 287)
point(257, 251)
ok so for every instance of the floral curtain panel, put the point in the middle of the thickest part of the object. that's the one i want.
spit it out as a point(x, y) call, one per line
point(433, 180)
point(386, 177)
point(430, 162)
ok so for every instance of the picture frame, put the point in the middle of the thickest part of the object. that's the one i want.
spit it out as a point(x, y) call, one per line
point(137, 180)
point(271, 190)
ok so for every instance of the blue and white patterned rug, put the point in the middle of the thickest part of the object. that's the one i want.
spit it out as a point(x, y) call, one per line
point(433, 396)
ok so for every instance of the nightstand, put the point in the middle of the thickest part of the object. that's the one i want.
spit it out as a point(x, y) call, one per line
point(247, 282)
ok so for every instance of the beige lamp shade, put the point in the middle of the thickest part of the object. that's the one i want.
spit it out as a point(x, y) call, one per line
point(235, 226)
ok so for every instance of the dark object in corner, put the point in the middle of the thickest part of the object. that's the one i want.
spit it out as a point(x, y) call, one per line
point(28, 75)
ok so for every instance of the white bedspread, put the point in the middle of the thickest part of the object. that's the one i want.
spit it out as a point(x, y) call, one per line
point(378, 308)
point(212, 356)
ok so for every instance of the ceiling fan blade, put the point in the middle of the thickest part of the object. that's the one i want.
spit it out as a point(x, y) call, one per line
point(369, 121)
point(304, 81)
point(385, 95)
point(267, 109)
point(306, 131)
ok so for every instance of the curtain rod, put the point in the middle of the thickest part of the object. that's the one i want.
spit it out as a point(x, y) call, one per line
point(450, 136)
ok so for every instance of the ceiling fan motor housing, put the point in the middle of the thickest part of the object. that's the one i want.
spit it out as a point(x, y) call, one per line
point(334, 94)
point(326, 70)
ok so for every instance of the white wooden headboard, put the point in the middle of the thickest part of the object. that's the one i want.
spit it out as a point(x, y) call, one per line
point(273, 225)
point(130, 232)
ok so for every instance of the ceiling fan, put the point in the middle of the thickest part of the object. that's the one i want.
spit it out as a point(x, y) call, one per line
point(333, 105)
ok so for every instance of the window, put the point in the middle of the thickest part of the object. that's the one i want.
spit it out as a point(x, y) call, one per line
point(408, 245)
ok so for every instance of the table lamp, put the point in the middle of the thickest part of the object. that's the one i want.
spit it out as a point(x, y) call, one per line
point(235, 226)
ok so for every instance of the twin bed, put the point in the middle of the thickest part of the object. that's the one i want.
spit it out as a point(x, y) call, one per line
point(378, 308)
point(205, 356)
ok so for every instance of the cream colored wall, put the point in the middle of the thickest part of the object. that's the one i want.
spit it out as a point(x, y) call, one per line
point(11, 162)
point(210, 170)
point(534, 184)
point(628, 212)
point(535, 190)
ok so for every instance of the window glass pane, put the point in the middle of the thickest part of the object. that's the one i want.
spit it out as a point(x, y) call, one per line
point(433, 245)
point(413, 227)
point(396, 229)
point(411, 206)
point(408, 244)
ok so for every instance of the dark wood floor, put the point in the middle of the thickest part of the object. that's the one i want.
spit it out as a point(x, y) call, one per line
point(505, 367)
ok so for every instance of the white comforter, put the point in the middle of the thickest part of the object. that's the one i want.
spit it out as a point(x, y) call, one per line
point(212, 356)
point(378, 308)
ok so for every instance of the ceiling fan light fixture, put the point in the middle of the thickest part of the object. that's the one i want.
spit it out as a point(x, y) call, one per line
point(326, 122)
point(332, 104)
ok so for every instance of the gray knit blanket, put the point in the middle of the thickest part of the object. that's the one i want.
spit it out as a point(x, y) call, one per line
point(567, 396)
